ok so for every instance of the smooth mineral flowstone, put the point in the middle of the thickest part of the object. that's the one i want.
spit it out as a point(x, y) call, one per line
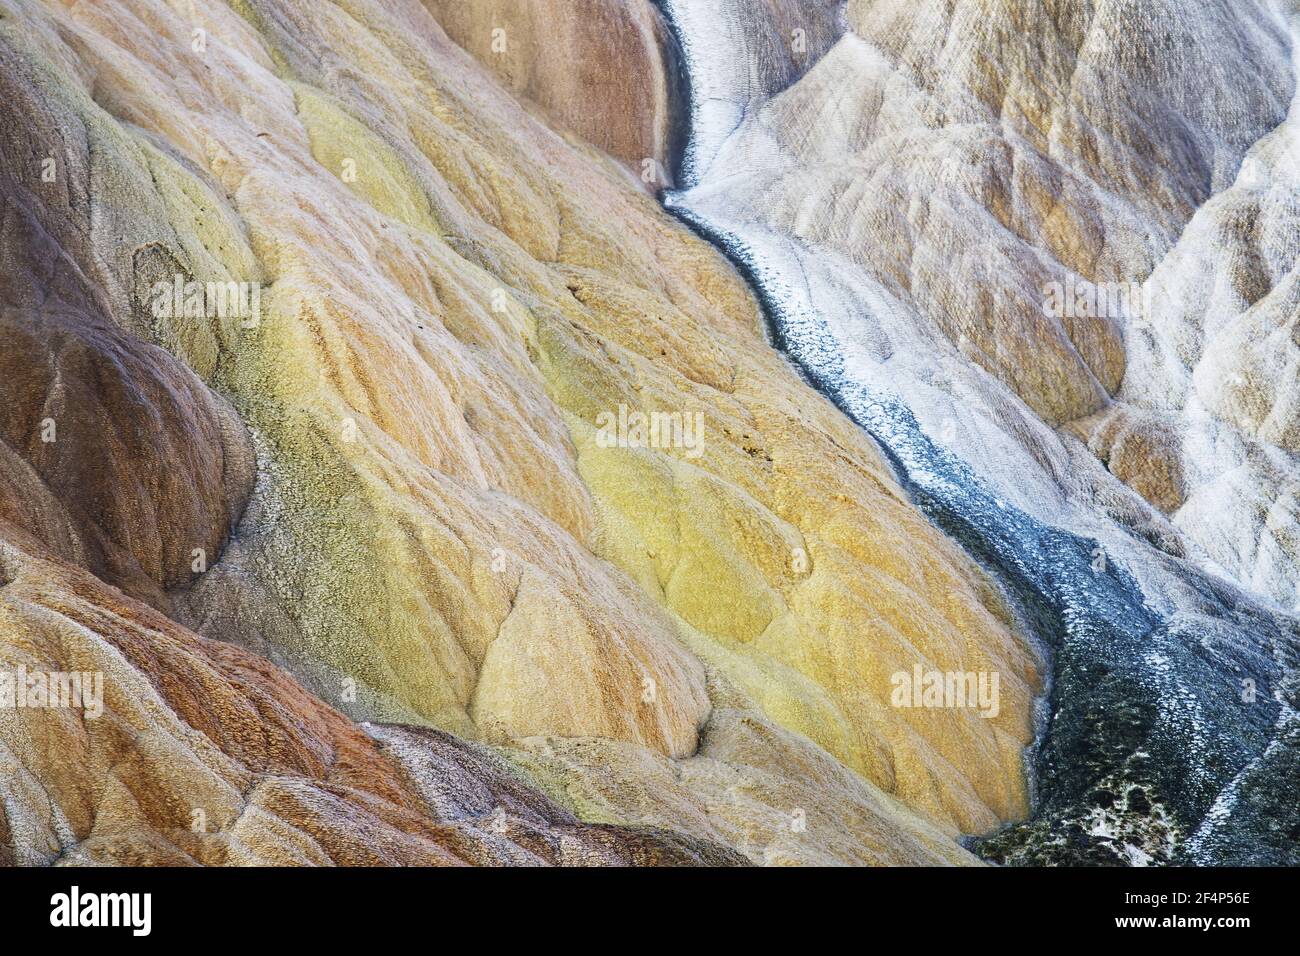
point(112, 451)
point(949, 171)
point(449, 528)
point(604, 70)
point(931, 215)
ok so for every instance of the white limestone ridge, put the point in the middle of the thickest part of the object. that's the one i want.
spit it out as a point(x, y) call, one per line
point(925, 204)
point(1046, 253)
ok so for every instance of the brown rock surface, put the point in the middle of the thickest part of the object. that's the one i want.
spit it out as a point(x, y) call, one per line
point(1140, 450)
point(599, 68)
point(112, 451)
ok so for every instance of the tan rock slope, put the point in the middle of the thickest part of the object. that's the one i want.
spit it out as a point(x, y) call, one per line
point(386, 475)
point(601, 69)
point(204, 753)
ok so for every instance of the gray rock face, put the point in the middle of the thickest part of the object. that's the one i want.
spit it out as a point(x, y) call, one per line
point(1046, 254)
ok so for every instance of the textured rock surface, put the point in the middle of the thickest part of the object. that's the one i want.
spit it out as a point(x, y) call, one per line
point(207, 754)
point(603, 69)
point(769, 44)
point(451, 298)
point(906, 208)
point(112, 451)
point(1105, 147)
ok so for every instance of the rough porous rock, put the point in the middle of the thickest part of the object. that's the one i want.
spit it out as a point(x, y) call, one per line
point(454, 303)
point(112, 450)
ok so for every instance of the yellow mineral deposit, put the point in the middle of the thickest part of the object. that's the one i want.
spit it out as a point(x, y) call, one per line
point(385, 497)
